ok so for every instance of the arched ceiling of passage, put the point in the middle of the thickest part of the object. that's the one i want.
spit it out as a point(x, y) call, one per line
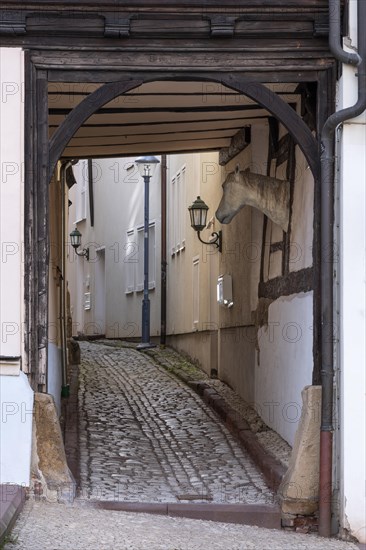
point(159, 117)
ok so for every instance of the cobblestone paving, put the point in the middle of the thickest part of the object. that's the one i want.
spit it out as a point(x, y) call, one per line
point(43, 526)
point(270, 440)
point(147, 437)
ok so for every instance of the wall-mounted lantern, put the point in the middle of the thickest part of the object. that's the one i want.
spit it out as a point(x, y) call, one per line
point(198, 214)
point(75, 237)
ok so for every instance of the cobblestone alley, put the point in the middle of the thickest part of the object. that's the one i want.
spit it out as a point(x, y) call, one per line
point(147, 437)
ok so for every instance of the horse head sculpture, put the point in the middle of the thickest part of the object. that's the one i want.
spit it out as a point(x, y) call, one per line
point(269, 195)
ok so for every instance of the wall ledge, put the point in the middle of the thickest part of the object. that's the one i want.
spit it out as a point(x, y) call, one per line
point(10, 366)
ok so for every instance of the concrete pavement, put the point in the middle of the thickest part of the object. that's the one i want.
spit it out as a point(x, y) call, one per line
point(43, 526)
point(146, 438)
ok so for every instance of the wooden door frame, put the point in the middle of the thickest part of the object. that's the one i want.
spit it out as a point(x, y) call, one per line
point(41, 155)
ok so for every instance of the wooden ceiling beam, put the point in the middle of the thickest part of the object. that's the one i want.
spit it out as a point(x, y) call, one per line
point(239, 142)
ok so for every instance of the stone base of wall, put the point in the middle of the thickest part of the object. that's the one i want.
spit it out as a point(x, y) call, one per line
point(300, 524)
point(299, 489)
point(51, 478)
point(201, 347)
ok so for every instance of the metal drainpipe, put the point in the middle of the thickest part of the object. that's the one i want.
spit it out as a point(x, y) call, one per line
point(63, 320)
point(163, 250)
point(327, 218)
point(64, 389)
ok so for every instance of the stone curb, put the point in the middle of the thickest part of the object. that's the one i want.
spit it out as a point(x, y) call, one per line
point(12, 498)
point(244, 514)
point(272, 470)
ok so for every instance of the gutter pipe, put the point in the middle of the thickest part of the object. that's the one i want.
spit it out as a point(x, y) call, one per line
point(327, 220)
point(65, 386)
point(65, 389)
point(163, 250)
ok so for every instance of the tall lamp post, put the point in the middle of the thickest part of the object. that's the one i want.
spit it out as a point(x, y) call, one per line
point(146, 166)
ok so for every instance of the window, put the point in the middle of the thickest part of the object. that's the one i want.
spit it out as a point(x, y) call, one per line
point(140, 254)
point(195, 291)
point(182, 208)
point(172, 216)
point(81, 190)
point(130, 260)
point(178, 211)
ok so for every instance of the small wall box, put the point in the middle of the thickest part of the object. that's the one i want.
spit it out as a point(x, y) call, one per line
point(225, 291)
point(87, 301)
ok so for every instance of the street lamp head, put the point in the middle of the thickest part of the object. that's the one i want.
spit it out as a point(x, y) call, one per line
point(147, 165)
point(198, 214)
point(75, 237)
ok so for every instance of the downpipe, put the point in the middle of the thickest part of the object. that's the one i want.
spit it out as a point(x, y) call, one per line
point(327, 220)
point(163, 302)
point(63, 313)
point(65, 386)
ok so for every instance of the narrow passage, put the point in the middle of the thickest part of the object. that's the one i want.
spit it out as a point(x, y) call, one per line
point(147, 437)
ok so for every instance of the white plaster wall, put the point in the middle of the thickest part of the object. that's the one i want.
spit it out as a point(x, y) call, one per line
point(16, 400)
point(353, 309)
point(16, 396)
point(11, 230)
point(285, 362)
point(203, 176)
point(54, 378)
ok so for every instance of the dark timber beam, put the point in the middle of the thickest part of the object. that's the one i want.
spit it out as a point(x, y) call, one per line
point(258, 92)
point(87, 76)
point(292, 283)
point(81, 113)
point(238, 143)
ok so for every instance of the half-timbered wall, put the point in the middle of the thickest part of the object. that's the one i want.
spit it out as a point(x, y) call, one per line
point(263, 345)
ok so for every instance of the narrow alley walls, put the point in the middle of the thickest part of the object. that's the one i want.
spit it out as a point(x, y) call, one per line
point(106, 291)
point(193, 267)
point(266, 338)
point(262, 346)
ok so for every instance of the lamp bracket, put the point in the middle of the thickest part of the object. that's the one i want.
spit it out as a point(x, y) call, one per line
point(216, 239)
point(84, 252)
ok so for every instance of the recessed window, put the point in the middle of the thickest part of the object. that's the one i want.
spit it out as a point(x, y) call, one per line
point(195, 291)
point(177, 211)
point(130, 260)
point(133, 260)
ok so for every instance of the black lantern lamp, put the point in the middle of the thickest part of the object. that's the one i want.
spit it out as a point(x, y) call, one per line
point(75, 237)
point(147, 165)
point(198, 214)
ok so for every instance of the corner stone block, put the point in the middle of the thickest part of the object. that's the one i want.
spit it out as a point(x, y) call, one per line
point(49, 464)
point(299, 489)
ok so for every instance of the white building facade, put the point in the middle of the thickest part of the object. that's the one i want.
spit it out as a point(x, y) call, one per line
point(106, 290)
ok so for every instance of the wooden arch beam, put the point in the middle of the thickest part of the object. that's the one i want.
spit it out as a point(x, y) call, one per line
point(81, 113)
point(286, 115)
point(258, 92)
